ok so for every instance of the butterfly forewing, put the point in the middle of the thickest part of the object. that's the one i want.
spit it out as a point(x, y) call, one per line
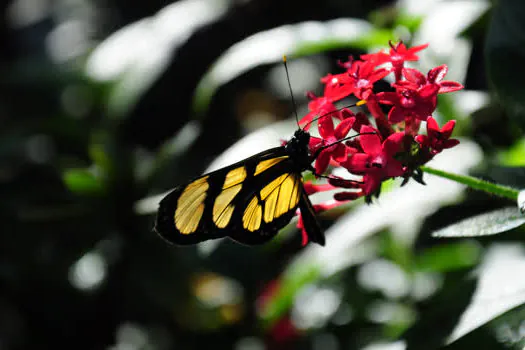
point(248, 201)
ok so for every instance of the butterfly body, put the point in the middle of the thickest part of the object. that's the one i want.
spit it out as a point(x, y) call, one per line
point(248, 201)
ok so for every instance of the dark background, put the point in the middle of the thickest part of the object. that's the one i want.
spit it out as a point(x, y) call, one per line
point(79, 267)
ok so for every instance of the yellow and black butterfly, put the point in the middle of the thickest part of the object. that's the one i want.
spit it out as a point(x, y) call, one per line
point(248, 201)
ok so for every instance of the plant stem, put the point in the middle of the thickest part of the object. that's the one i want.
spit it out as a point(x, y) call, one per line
point(475, 183)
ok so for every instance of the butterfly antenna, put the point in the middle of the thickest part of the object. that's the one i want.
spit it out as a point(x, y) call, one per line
point(291, 91)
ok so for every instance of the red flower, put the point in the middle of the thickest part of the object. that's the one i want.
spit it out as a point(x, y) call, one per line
point(330, 136)
point(416, 80)
point(416, 96)
point(318, 106)
point(337, 86)
point(437, 139)
point(363, 75)
point(377, 163)
point(409, 102)
point(397, 56)
point(359, 78)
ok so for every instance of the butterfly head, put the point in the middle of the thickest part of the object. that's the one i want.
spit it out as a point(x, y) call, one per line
point(298, 148)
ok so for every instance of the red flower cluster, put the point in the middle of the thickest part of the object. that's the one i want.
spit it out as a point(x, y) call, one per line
point(389, 145)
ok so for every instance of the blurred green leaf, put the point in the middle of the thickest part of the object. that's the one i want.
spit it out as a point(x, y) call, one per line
point(397, 250)
point(508, 328)
point(82, 181)
point(490, 223)
point(513, 156)
point(409, 21)
point(100, 157)
point(287, 288)
point(449, 257)
point(294, 41)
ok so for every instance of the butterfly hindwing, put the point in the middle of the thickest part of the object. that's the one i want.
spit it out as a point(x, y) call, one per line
point(248, 201)
point(269, 205)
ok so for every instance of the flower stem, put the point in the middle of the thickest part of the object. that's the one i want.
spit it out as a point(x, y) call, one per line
point(475, 183)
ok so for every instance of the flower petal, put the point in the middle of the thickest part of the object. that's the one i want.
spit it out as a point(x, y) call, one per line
point(343, 128)
point(449, 86)
point(450, 143)
point(394, 168)
point(447, 129)
point(428, 91)
point(388, 98)
point(422, 140)
point(415, 76)
point(344, 183)
point(378, 74)
point(372, 181)
point(432, 127)
point(345, 113)
point(357, 163)
point(435, 75)
point(305, 121)
point(393, 143)
point(410, 53)
point(326, 127)
point(315, 143)
point(339, 153)
point(396, 115)
point(322, 161)
point(347, 196)
point(370, 141)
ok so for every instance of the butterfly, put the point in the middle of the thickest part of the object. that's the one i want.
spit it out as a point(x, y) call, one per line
point(249, 201)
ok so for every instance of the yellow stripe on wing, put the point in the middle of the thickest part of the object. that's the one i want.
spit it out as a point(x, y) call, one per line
point(268, 163)
point(190, 206)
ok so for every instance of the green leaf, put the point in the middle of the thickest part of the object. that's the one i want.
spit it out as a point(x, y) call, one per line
point(500, 287)
point(82, 181)
point(449, 257)
point(490, 223)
